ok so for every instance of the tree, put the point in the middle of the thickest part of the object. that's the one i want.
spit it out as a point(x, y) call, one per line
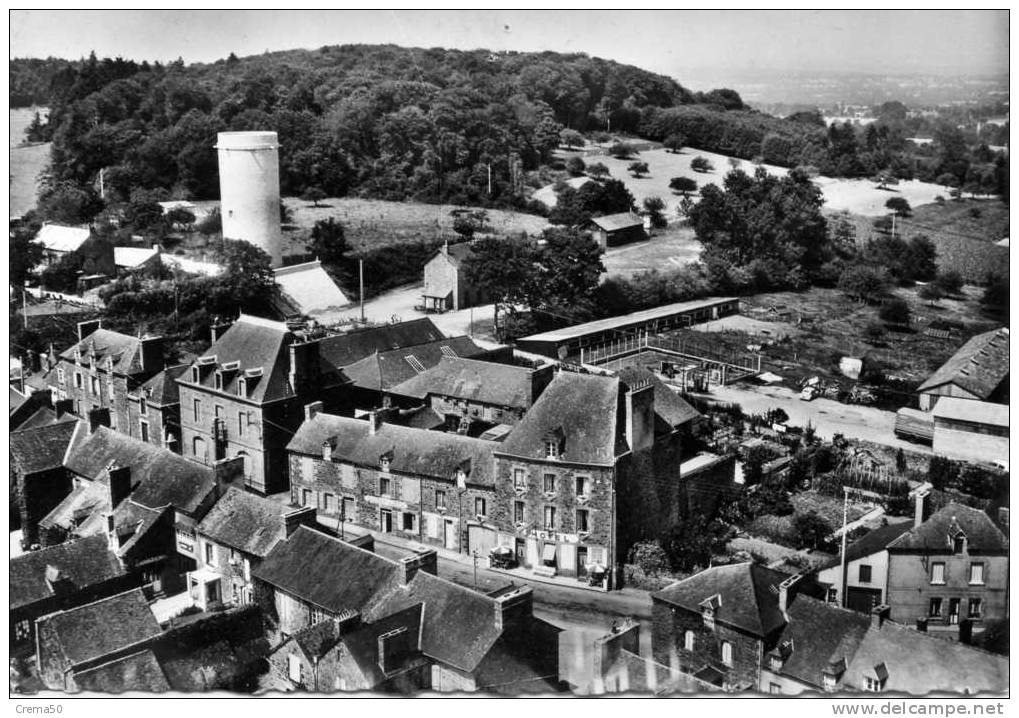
point(181, 217)
point(923, 256)
point(621, 150)
point(25, 254)
point(654, 206)
point(504, 270)
point(328, 241)
point(691, 543)
point(950, 282)
point(38, 131)
point(996, 294)
point(683, 185)
point(66, 203)
point(931, 293)
point(701, 164)
point(674, 142)
point(637, 169)
point(597, 169)
point(948, 180)
point(569, 268)
point(313, 195)
point(212, 223)
point(571, 138)
point(899, 205)
point(895, 311)
point(465, 226)
point(863, 283)
point(812, 530)
point(575, 166)
point(649, 557)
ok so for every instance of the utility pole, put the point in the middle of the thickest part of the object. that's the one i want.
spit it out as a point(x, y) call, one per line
point(360, 271)
point(893, 225)
point(489, 165)
point(845, 522)
point(24, 304)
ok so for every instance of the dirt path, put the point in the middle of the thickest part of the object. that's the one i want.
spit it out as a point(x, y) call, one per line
point(827, 416)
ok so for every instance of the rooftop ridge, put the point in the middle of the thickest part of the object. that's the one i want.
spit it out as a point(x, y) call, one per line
point(263, 322)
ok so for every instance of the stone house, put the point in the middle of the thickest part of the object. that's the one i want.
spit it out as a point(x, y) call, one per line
point(38, 478)
point(245, 395)
point(427, 486)
point(58, 578)
point(154, 410)
point(866, 576)
point(446, 283)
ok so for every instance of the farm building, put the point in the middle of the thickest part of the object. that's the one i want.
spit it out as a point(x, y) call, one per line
point(978, 371)
point(572, 341)
point(307, 289)
point(58, 240)
point(975, 430)
point(615, 229)
point(134, 259)
point(446, 287)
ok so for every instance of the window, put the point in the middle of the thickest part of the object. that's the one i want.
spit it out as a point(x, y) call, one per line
point(953, 610)
point(519, 479)
point(830, 681)
point(518, 512)
point(93, 385)
point(349, 512)
point(113, 420)
point(959, 544)
point(774, 688)
point(194, 374)
point(480, 507)
point(551, 449)
point(385, 486)
point(548, 483)
point(935, 608)
point(550, 518)
point(143, 406)
point(77, 380)
point(22, 630)
point(219, 381)
point(582, 524)
point(873, 684)
point(864, 574)
point(109, 389)
point(938, 573)
point(198, 448)
point(688, 638)
point(975, 607)
point(582, 485)
point(727, 653)
point(210, 554)
point(409, 522)
point(976, 573)
point(60, 376)
point(833, 595)
point(219, 411)
point(197, 408)
point(440, 499)
point(144, 426)
point(240, 423)
point(329, 503)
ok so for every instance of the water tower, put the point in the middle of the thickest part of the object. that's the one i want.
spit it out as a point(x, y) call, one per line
point(249, 190)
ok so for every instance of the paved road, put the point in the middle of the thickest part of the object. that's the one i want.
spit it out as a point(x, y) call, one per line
point(827, 416)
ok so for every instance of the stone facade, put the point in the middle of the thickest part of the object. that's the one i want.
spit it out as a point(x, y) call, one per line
point(153, 423)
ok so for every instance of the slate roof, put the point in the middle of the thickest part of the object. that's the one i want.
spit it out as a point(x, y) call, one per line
point(78, 509)
point(933, 534)
point(245, 522)
point(342, 350)
point(162, 477)
point(82, 563)
point(919, 663)
point(209, 667)
point(457, 253)
point(125, 350)
point(162, 389)
point(133, 521)
point(318, 639)
point(383, 370)
point(310, 287)
point(363, 644)
point(15, 399)
point(256, 343)
point(585, 409)
point(980, 365)
point(669, 406)
point(974, 412)
point(326, 571)
point(820, 633)
point(618, 221)
point(89, 632)
point(61, 238)
point(413, 451)
point(477, 381)
point(748, 591)
point(131, 257)
point(45, 416)
point(43, 447)
point(136, 672)
point(874, 541)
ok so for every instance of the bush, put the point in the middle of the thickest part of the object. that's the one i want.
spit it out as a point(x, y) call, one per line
point(895, 312)
point(575, 166)
point(621, 150)
point(649, 557)
point(701, 164)
point(212, 223)
point(812, 531)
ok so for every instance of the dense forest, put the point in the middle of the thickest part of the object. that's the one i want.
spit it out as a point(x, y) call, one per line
point(429, 124)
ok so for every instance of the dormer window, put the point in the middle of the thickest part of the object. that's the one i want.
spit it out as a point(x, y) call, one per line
point(219, 381)
point(709, 608)
point(551, 449)
point(959, 543)
point(875, 682)
point(553, 443)
point(194, 374)
point(385, 461)
point(143, 405)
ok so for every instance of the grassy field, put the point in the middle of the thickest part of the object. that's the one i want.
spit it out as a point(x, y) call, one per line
point(373, 223)
point(27, 161)
point(822, 325)
point(667, 249)
point(964, 232)
point(857, 196)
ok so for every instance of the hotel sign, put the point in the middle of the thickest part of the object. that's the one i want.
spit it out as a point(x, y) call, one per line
point(553, 536)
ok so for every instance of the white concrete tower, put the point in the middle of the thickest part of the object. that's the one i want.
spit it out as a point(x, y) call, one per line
point(249, 190)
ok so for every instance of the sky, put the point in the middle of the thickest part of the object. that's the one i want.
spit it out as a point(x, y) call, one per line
point(670, 42)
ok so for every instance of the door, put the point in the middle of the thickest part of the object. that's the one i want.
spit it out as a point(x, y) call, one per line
point(581, 561)
point(449, 535)
point(953, 611)
point(386, 521)
point(521, 549)
point(862, 599)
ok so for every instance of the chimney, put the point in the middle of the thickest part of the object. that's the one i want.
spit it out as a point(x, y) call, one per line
point(327, 448)
point(512, 605)
point(639, 401)
point(312, 410)
point(218, 329)
point(783, 593)
point(120, 484)
point(111, 533)
point(227, 473)
point(921, 624)
point(152, 353)
point(966, 631)
point(97, 417)
point(63, 406)
point(304, 365)
point(878, 615)
point(374, 422)
point(920, 494)
point(608, 648)
point(423, 559)
point(86, 328)
point(299, 517)
point(394, 648)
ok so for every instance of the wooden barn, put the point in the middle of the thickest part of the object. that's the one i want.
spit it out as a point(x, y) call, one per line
point(615, 229)
point(978, 371)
